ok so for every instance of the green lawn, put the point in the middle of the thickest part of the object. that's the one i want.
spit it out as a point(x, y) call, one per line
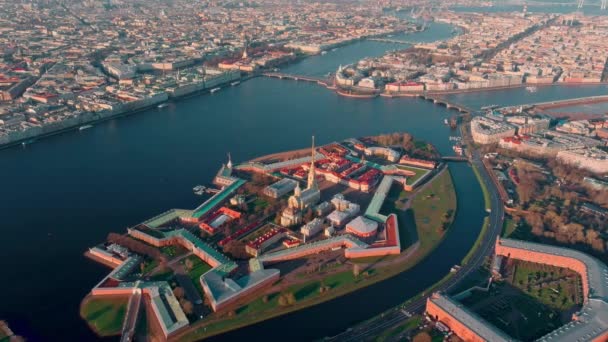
point(553, 286)
point(198, 268)
point(429, 208)
point(508, 227)
point(104, 316)
point(419, 173)
point(484, 189)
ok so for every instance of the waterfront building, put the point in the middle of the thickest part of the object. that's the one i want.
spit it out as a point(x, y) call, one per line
point(487, 131)
point(593, 160)
point(388, 153)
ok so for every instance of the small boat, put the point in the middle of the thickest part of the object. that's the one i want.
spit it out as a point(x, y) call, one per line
point(458, 149)
point(445, 121)
point(323, 52)
point(235, 83)
point(27, 142)
point(215, 90)
point(199, 190)
point(82, 128)
point(163, 105)
point(531, 89)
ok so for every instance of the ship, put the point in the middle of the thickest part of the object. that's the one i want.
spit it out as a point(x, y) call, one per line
point(458, 149)
point(82, 128)
point(215, 90)
point(163, 105)
point(453, 122)
point(235, 83)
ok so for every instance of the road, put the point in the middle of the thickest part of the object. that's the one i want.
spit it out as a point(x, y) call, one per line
point(397, 316)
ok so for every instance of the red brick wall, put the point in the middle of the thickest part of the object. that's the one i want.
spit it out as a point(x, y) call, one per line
point(458, 328)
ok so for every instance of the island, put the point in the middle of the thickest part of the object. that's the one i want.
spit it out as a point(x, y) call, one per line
point(276, 234)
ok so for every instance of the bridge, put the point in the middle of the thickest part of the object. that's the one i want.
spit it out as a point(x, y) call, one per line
point(570, 102)
point(393, 41)
point(279, 75)
point(455, 158)
point(449, 105)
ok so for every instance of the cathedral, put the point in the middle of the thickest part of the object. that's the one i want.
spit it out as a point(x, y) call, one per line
point(302, 199)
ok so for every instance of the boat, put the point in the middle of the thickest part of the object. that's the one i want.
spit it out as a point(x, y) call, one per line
point(82, 128)
point(27, 142)
point(445, 121)
point(163, 105)
point(531, 89)
point(323, 52)
point(199, 190)
point(458, 149)
point(215, 89)
point(235, 83)
point(334, 49)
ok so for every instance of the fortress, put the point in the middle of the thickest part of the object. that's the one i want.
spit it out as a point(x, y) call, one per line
point(589, 324)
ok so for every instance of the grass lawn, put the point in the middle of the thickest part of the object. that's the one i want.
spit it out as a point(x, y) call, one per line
point(508, 227)
point(419, 173)
point(198, 268)
point(484, 189)
point(552, 286)
point(429, 207)
point(104, 316)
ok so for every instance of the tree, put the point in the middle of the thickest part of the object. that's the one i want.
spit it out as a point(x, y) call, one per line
point(188, 264)
point(178, 292)
point(291, 299)
point(187, 306)
point(282, 300)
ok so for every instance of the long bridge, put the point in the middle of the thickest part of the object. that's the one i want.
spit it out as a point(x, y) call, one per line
point(455, 158)
point(280, 75)
point(570, 102)
point(445, 102)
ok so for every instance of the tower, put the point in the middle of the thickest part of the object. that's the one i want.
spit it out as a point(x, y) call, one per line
point(312, 182)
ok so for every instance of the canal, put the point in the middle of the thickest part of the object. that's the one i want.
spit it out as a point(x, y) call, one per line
point(65, 193)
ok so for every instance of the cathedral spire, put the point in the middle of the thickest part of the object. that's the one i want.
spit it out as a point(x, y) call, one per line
point(312, 182)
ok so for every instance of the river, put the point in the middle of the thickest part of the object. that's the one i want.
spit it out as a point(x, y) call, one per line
point(65, 193)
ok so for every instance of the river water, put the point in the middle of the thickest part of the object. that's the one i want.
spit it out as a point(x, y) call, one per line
point(65, 193)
